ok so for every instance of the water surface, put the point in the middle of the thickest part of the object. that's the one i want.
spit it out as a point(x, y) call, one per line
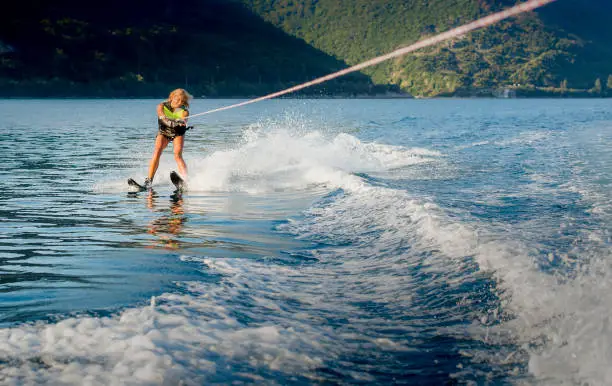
point(341, 241)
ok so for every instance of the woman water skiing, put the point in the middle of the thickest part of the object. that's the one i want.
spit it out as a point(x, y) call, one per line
point(172, 121)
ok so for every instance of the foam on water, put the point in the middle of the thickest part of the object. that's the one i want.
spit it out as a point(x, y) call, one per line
point(561, 322)
point(378, 243)
point(564, 329)
point(278, 156)
point(287, 159)
point(576, 342)
point(185, 338)
point(374, 220)
point(196, 337)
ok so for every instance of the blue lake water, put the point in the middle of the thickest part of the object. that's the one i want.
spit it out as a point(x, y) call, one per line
point(320, 241)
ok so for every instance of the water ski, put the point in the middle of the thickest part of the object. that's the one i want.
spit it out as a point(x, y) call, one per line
point(178, 182)
point(136, 185)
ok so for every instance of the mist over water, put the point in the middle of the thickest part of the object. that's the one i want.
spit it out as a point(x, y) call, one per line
point(368, 241)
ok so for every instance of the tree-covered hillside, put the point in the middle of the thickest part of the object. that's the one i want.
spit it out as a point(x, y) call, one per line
point(145, 48)
point(561, 49)
point(252, 47)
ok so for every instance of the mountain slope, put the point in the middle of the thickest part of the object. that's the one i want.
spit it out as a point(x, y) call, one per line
point(224, 48)
point(145, 48)
point(562, 48)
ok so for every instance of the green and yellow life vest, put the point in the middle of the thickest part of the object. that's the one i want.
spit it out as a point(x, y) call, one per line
point(176, 113)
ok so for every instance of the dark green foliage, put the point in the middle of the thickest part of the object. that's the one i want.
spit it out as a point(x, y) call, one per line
point(147, 48)
point(567, 41)
point(252, 47)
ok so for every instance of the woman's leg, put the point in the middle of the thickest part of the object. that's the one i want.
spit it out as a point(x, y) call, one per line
point(178, 155)
point(160, 144)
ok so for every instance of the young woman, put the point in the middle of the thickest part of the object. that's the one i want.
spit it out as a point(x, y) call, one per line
point(172, 120)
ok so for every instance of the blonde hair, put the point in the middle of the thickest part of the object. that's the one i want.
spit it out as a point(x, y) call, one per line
point(182, 94)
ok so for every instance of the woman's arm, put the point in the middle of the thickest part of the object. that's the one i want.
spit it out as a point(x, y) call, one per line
point(160, 110)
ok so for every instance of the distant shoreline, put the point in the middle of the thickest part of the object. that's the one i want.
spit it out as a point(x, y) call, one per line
point(498, 93)
point(214, 98)
point(34, 90)
point(311, 97)
point(306, 96)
